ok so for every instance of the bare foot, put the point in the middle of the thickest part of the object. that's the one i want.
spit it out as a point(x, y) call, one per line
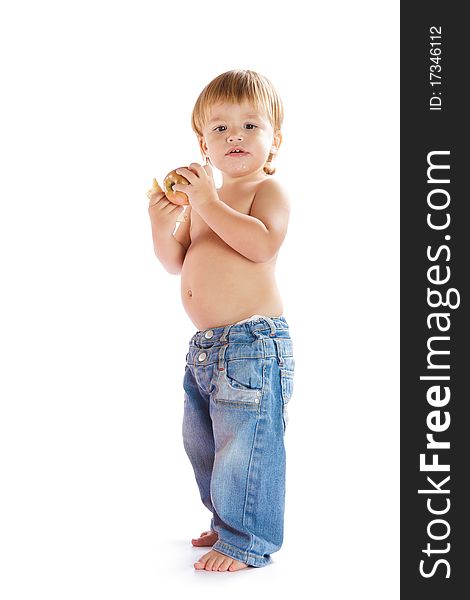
point(216, 561)
point(207, 538)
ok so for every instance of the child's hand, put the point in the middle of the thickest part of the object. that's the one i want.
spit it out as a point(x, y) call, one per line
point(163, 213)
point(201, 188)
point(155, 193)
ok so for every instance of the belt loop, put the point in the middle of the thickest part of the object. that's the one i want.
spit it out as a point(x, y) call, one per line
point(221, 366)
point(223, 338)
point(271, 325)
point(280, 358)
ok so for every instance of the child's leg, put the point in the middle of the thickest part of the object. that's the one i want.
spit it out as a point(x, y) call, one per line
point(248, 478)
point(198, 438)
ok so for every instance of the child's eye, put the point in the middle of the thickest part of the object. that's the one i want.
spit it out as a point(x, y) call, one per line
point(223, 127)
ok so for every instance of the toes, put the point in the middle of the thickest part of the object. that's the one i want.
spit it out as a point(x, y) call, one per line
point(207, 538)
point(210, 563)
point(237, 565)
point(216, 561)
point(196, 542)
point(221, 558)
point(202, 562)
point(200, 541)
point(226, 562)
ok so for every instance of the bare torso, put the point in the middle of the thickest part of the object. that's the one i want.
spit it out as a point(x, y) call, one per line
point(220, 286)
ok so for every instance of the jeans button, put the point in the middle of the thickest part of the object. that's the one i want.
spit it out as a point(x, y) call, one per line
point(202, 356)
point(208, 334)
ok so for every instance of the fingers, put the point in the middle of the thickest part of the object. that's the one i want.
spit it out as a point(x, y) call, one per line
point(157, 199)
point(195, 167)
point(155, 193)
point(180, 187)
point(165, 206)
point(191, 176)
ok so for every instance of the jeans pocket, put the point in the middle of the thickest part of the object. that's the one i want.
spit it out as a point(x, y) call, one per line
point(287, 387)
point(240, 384)
point(245, 374)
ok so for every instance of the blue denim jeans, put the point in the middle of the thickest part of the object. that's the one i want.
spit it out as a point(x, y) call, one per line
point(238, 381)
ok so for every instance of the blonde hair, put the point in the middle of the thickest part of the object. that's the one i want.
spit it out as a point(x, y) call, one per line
point(237, 86)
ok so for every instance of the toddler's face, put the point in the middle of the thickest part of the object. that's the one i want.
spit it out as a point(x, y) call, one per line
point(238, 126)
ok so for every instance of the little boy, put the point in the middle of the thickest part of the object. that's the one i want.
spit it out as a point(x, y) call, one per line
point(240, 365)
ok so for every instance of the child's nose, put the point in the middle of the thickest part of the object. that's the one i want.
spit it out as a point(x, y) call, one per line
point(234, 136)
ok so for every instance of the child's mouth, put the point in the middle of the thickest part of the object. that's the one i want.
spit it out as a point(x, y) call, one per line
point(237, 154)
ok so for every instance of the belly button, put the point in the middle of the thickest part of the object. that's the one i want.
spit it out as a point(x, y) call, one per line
point(190, 293)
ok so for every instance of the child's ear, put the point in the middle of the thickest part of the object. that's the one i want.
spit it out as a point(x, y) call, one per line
point(203, 146)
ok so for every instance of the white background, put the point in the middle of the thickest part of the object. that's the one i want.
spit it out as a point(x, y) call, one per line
point(98, 497)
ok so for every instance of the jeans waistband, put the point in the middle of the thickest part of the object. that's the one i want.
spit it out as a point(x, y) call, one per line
point(271, 327)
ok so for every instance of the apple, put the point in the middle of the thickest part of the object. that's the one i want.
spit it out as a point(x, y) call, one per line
point(170, 180)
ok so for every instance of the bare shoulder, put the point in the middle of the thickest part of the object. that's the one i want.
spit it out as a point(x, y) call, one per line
point(271, 187)
point(271, 204)
point(182, 233)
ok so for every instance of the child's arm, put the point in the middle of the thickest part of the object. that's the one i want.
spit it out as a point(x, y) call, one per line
point(259, 235)
point(182, 234)
point(167, 247)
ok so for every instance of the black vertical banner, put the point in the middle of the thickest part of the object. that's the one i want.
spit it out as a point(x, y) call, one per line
point(434, 305)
